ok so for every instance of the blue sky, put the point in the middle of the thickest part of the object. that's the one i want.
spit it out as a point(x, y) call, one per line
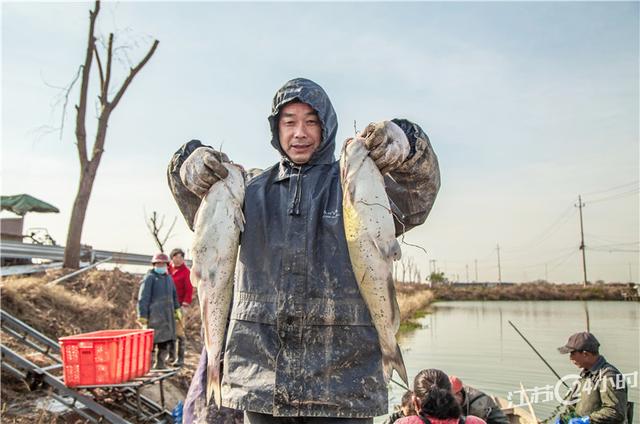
point(527, 105)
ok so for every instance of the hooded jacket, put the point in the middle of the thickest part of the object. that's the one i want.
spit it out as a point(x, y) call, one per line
point(300, 340)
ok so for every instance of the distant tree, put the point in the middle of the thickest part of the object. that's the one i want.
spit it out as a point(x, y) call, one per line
point(155, 226)
point(89, 164)
point(437, 278)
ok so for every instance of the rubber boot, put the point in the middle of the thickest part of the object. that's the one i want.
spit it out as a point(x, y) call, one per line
point(160, 351)
point(171, 347)
point(180, 361)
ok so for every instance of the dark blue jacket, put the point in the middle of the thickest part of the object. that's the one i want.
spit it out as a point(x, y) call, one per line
point(157, 301)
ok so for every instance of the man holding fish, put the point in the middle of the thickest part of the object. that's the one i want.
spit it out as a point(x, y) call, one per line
point(309, 325)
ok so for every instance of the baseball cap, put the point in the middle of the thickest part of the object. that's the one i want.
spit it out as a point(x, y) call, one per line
point(583, 341)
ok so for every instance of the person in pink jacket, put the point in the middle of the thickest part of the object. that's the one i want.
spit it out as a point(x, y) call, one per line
point(434, 401)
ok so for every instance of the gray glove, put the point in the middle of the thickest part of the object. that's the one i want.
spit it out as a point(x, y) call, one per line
point(387, 143)
point(202, 169)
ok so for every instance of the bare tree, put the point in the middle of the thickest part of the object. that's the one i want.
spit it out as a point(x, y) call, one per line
point(155, 228)
point(89, 164)
point(403, 264)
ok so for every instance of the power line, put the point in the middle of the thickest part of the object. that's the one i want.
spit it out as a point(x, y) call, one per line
point(557, 224)
point(565, 260)
point(612, 188)
point(613, 250)
point(616, 196)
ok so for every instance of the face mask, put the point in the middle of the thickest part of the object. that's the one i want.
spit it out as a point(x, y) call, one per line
point(160, 269)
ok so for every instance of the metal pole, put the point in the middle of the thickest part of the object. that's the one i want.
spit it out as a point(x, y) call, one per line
point(539, 355)
point(546, 273)
point(584, 258)
point(476, 263)
point(499, 269)
point(399, 384)
point(80, 271)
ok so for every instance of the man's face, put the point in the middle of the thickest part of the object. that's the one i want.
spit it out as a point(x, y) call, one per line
point(300, 132)
point(582, 359)
point(177, 260)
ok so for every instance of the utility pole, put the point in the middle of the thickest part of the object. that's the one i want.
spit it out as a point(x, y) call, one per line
point(466, 267)
point(584, 258)
point(546, 273)
point(476, 263)
point(499, 269)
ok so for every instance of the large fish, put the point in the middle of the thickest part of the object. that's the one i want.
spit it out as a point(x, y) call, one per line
point(217, 228)
point(370, 233)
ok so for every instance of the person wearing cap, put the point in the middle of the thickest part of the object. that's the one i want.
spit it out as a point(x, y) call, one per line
point(181, 276)
point(300, 344)
point(158, 308)
point(477, 403)
point(600, 394)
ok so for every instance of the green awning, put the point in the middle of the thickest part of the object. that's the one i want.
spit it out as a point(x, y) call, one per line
point(22, 203)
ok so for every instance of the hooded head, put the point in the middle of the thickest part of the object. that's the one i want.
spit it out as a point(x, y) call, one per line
point(307, 91)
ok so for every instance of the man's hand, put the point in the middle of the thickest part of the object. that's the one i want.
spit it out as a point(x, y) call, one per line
point(202, 169)
point(387, 143)
point(144, 322)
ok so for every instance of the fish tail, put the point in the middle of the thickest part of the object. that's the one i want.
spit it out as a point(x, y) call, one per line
point(395, 362)
point(213, 381)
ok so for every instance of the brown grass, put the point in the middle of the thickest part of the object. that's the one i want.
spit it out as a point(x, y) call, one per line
point(533, 291)
point(412, 298)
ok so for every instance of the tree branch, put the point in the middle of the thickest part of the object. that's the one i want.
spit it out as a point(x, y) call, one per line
point(102, 96)
point(67, 93)
point(81, 131)
point(133, 73)
point(107, 80)
point(169, 231)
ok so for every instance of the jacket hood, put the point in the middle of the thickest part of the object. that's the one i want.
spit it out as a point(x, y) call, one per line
point(312, 94)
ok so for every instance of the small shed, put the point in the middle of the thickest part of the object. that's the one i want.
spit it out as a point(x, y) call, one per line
point(11, 229)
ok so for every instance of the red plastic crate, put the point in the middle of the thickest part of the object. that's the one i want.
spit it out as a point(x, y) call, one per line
point(104, 357)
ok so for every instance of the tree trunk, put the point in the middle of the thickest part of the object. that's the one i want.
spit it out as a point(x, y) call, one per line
point(76, 223)
point(89, 165)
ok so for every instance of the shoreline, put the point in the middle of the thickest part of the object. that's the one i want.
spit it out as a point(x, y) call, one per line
point(415, 300)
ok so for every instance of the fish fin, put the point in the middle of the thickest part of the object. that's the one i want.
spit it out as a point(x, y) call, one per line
point(394, 362)
point(389, 249)
point(213, 381)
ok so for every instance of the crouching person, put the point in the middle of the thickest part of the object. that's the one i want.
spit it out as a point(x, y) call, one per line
point(158, 308)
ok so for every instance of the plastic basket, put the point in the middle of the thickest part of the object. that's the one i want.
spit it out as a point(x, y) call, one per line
point(104, 357)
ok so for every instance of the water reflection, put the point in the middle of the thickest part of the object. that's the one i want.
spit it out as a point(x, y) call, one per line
point(470, 340)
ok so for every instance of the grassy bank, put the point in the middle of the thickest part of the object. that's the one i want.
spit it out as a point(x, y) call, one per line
point(534, 291)
point(413, 300)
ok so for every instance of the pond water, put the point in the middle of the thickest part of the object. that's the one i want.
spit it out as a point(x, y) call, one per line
point(474, 341)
